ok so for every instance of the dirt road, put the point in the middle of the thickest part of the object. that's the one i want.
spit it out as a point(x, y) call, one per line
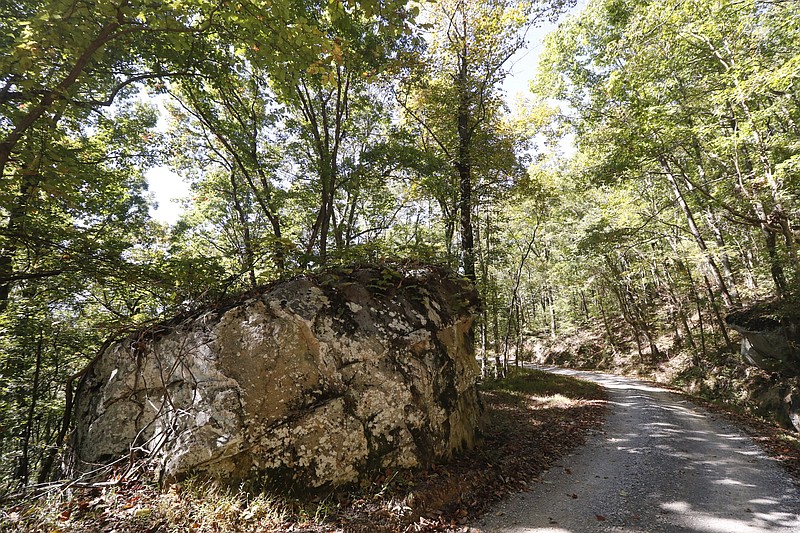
point(660, 464)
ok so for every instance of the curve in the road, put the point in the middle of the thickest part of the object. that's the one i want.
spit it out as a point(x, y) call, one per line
point(660, 464)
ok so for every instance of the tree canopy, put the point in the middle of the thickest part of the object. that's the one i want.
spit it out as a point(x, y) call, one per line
point(320, 133)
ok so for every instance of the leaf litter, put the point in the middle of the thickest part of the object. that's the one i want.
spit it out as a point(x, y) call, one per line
point(533, 419)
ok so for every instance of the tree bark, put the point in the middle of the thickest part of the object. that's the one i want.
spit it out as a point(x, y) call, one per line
point(464, 167)
point(14, 228)
point(679, 311)
point(249, 254)
point(606, 326)
point(776, 268)
point(718, 315)
point(23, 467)
point(724, 259)
point(626, 315)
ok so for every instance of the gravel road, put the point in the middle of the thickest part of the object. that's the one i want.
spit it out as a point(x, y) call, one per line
point(659, 464)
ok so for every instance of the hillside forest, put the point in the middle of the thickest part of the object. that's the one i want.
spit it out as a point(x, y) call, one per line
point(645, 186)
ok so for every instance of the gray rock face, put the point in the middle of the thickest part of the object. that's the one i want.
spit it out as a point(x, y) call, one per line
point(311, 383)
point(770, 338)
point(771, 341)
point(775, 399)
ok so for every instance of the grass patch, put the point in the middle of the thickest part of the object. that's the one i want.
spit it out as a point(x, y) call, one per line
point(533, 419)
point(540, 383)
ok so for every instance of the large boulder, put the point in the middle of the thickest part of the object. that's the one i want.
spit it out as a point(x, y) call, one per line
point(319, 381)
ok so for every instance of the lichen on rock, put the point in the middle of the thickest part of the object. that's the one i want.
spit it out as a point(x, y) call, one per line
point(312, 382)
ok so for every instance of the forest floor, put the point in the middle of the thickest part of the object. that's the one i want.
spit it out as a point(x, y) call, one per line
point(533, 419)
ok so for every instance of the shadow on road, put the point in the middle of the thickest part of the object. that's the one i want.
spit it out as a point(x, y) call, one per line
point(662, 464)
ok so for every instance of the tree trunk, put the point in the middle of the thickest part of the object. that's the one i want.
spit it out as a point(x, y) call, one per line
point(679, 311)
point(23, 467)
point(279, 253)
point(249, 254)
point(606, 326)
point(626, 315)
point(515, 291)
point(449, 230)
point(643, 325)
point(520, 338)
point(14, 228)
point(693, 294)
point(484, 265)
point(776, 269)
point(552, 312)
point(780, 219)
point(496, 329)
point(701, 243)
point(725, 262)
point(464, 167)
point(718, 315)
point(327, 134)
point(6, 272)
point(584, 306)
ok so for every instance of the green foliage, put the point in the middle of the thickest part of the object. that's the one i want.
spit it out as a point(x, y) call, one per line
point(685, 89)
point(331, 133)
point(677, 212)
point(452, 100)
point(79, 258)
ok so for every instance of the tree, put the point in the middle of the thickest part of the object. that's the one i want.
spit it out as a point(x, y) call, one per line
point(675, 213)
point(62, 62)
point(78, 254)
point(470, 48)
point(687, 95)
point(306, 98)
point(223, 139)
point(333, 104)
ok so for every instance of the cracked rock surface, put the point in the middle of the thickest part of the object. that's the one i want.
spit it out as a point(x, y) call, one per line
point(309, 383)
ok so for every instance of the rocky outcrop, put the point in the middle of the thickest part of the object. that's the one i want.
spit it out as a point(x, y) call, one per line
point(771, 341)
point(773, 398)
point(770, 336)
point(309, 383)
